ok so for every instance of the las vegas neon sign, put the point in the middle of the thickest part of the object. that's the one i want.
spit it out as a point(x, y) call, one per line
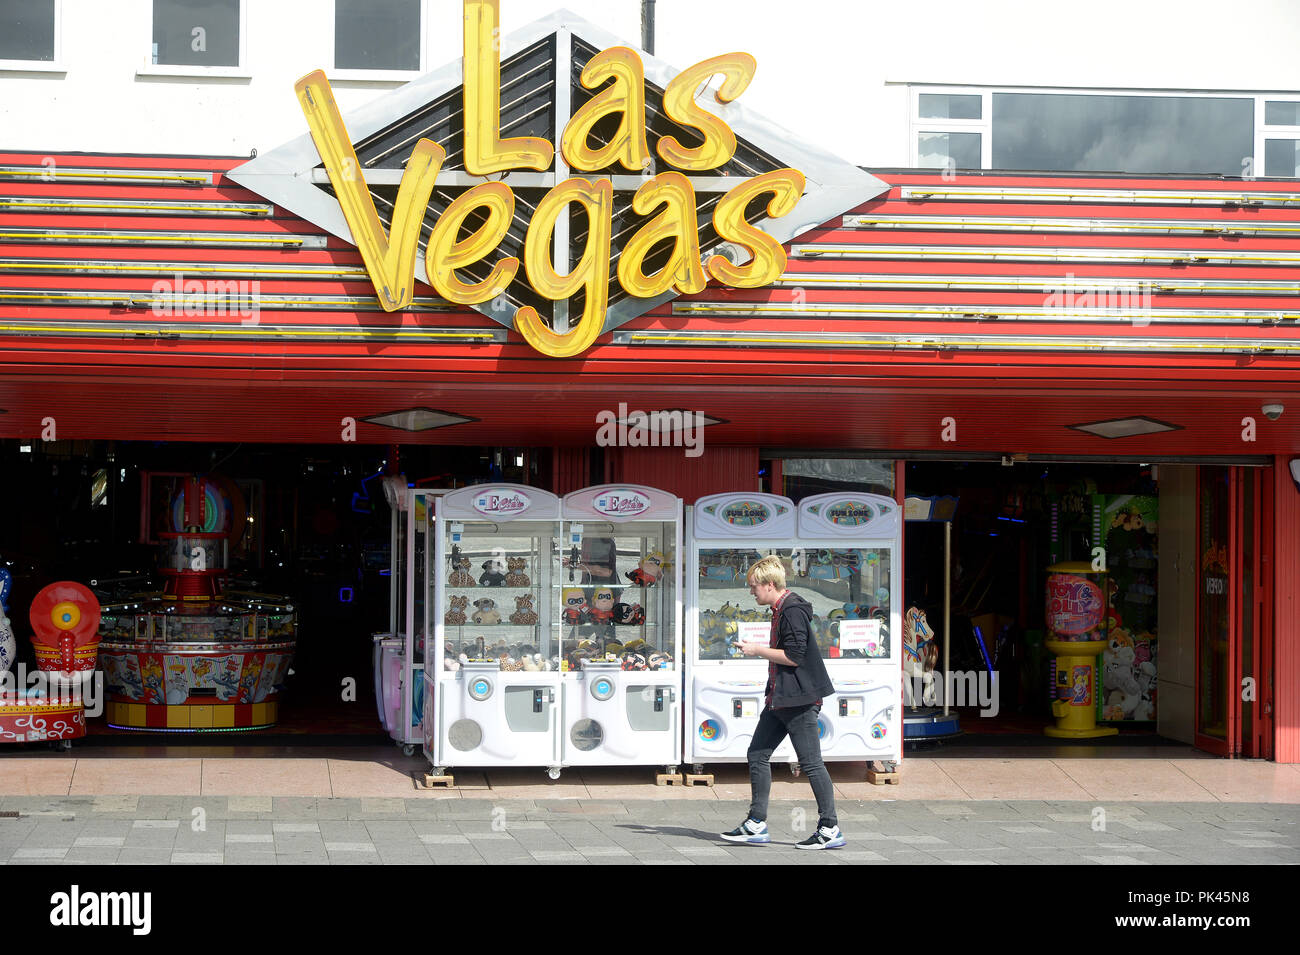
point(390, 256)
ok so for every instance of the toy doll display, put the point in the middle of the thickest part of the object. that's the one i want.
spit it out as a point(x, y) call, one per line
point(460, 576)
point(648, 571)
point(493, 574)
point(524, 614)
point(626, 615)
point(455, 616)
point(515, 576)
point(602, 606)
point(575, 606)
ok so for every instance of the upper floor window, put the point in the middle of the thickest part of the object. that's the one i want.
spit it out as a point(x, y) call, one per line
point(1281, 136)
point(204, 33)
point(1224, 134)
point(29, 33)
point(378, 35)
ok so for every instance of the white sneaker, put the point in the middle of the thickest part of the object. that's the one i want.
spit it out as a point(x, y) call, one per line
point(751, 830)
point(826, 837)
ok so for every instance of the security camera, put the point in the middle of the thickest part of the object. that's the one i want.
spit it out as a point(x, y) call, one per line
point(1273, 412)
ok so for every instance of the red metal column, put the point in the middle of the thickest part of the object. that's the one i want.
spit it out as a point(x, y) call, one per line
point(1285, 676)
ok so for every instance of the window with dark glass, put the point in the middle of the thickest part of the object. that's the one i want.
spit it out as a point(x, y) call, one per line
point(1281, 113)
point(377, 34)
point(1113, 133)
point(1282, 157)
point(951, 106)
point(27, 30)
point(196, 32)
point(949, 150)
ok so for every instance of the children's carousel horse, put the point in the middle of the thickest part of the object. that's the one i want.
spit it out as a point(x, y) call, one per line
point(920, 654)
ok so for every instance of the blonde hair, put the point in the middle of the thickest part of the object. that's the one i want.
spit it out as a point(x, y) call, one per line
point(769, 570)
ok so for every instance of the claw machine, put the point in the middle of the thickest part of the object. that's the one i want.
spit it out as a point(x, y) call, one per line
point(616, 615)
point(399, 653)
point(841, 554)
point(492, 690)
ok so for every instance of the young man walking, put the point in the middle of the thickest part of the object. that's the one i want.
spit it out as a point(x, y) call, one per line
point(796, 683)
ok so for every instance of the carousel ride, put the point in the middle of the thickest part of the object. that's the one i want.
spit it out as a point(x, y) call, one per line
point(199, 657)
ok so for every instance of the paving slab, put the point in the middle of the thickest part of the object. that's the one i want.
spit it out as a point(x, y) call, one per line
point(266, 777)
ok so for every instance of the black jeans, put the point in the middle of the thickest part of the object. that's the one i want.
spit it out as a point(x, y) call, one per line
point(800, 724)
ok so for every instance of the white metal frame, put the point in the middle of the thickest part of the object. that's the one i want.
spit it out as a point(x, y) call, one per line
point(354, 74)
point(852, 675)
point(440, 684)
point(241, 71)
point(984, 125)
point(55, 65)
point(577, 507)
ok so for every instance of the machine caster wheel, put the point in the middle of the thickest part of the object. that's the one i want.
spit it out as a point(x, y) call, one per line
point(891, 766)
point(697, 769)
point(438, 771)
point(61, 745)
point(794, 769)
point(670, 770)
point(408, 749)
point(553, 772)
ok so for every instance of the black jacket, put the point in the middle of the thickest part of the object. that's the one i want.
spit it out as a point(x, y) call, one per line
point(807, 681)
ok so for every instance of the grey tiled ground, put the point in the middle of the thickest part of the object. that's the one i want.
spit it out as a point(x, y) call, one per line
point(158, 830)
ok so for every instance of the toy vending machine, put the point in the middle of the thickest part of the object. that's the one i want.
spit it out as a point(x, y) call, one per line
point(492, 691)
point(616, 613)
point(399, 654)
point(840, 553)
point(849, 547)
point(728, 534)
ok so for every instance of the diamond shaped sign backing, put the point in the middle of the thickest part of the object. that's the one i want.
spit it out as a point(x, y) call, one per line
point(540, 90)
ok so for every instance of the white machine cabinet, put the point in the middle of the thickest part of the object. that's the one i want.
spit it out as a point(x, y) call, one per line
point(841, 554)
point(399, 654)
point(492, 690)
point(616, 611)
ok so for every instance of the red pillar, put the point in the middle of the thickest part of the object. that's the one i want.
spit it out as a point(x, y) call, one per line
point(1286, 614)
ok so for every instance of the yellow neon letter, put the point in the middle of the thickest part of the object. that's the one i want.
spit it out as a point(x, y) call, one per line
point(485, 151)
point(677, 222)
point(626, 95)
point(443, 255)
point(786, 187)
point(679, 103)
point(390, 259)
point(591, 273)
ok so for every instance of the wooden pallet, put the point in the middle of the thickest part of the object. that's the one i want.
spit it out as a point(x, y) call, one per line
point(432, 782)
point(668, 779)
point(699, 779)
point(883, 779)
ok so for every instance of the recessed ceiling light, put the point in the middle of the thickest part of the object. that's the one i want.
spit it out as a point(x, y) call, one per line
point(669, 419)
point(1125, 427)
point(417, 419)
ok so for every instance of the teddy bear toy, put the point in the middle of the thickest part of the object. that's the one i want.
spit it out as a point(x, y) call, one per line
point(602, 606)
point(516, 577)
point(461, 577)
point(486, 613)
point(455, 617)
point(574, 606)
point(492, 575)
point(450, 661)
point(659, 661)
point(628, 614)
point(524, 614)
point(648, 571)
point(633, 661)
